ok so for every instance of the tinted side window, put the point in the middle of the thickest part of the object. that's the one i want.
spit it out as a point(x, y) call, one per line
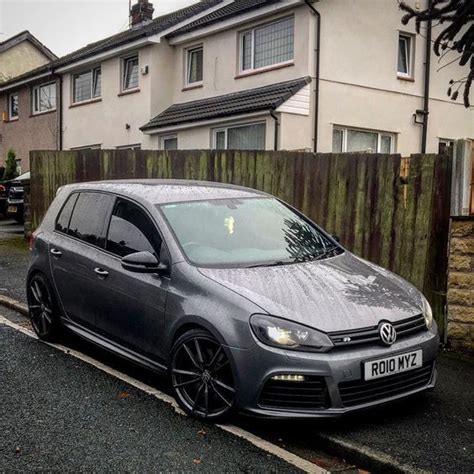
point(89, 219)
point(131, 231)
point(62, 222)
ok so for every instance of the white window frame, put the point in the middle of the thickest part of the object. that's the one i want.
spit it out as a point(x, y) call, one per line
point(187, 69)
point(410, 51)
point(93, 72)
point(18, 166)
point(379, 133)
point(225, 129)
point(163, 138)
point(12, 117)
point(241, 69)
point(34, 92)
point(95, 146)
point(124, 72)
point(448, 142)
point(133, 146)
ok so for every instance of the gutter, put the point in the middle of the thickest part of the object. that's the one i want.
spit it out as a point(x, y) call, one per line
point(32, 78)
point(277, 126)
point(426, 94)
point(317, 70)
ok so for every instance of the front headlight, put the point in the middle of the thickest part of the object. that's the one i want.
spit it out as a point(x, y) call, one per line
point(288, 335)
point(427, 313)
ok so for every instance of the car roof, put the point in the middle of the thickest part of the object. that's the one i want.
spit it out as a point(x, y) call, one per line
point(162, 191)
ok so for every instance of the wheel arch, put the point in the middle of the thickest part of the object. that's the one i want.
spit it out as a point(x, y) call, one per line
point(193, 322)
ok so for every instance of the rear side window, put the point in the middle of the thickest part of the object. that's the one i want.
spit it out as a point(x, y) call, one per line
point(131, 230)
point(90, 217)
point(62, 223)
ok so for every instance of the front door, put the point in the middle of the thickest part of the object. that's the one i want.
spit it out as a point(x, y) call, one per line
point(133, 304)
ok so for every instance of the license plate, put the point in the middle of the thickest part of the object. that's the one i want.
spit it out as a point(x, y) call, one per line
point(393, 365)
point(12, 209)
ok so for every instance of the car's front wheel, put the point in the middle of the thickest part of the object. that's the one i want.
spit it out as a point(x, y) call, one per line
point(43, 308)
point(202, 377)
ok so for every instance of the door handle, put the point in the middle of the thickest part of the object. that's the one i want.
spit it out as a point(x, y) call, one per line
point(101, 273)
point(56, 253)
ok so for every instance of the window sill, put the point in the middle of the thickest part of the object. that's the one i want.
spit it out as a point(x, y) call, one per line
point(128, 92)
point(193, 86)
point(405, 78)
point(46, 112)
point(85, 102)
point(11, 120)
point(264, 70)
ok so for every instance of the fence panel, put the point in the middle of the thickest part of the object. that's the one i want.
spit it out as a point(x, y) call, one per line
point(393, 215)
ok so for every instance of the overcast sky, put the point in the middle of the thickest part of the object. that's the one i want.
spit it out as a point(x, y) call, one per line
point(66, 25)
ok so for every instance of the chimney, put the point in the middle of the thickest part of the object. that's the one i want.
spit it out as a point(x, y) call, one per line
point(141, 12)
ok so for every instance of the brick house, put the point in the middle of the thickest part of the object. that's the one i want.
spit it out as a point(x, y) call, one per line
point(28, 95)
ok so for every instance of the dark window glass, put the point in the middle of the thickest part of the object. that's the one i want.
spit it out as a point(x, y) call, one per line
point(89, 219)
point(65, 215)
point(131, 231)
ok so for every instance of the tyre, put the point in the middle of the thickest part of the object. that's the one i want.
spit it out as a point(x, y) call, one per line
point(43, 308)
point(201, 376)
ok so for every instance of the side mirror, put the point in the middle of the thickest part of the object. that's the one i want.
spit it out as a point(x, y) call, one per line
point(142, 262)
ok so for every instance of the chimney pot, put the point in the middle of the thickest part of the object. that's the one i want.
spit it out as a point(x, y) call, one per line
point(141, 12)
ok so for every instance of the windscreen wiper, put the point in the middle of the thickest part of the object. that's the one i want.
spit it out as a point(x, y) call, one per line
point(278, 263)
point(326, 252)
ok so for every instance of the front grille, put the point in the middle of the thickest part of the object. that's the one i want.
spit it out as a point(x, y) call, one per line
point(404, 328)
point(359, 392)
point(302, 396)
point(15, 193)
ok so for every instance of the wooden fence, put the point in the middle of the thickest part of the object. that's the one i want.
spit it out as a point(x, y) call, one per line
point(390, 210)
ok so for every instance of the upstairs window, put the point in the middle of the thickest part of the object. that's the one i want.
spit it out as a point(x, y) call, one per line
point(130, 73)
point(405, 56)
point(353, 140)
point(44, 98)
point(194, 65)
point(87, 85)
point(13, 106)
point(267, 45)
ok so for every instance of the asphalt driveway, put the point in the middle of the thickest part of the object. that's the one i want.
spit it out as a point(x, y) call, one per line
point(433, 432)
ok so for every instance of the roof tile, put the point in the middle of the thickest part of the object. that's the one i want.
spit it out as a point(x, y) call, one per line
point(252, 100)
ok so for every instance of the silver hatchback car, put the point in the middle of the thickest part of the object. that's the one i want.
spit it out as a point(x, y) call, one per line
point(240, 299)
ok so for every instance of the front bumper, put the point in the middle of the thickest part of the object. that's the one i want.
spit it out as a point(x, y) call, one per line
point(256, 366)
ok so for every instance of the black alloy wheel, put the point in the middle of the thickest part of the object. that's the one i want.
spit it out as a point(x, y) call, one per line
point(42, 308)
point(201, 375)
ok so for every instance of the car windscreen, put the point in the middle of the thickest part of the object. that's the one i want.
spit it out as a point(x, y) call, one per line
point(244, 232)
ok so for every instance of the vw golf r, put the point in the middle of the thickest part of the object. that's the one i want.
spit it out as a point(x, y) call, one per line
point(245, 303)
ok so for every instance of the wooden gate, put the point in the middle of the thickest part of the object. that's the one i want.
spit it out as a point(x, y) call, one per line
point(389, 210)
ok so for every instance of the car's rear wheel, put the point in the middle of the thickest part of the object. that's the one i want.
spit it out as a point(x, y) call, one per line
point(202, 377)
point(43, 308)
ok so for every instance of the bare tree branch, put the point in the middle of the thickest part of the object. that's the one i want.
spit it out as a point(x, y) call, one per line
point(457, 19)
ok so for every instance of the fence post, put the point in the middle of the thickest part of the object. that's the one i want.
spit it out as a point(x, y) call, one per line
point(462, 176)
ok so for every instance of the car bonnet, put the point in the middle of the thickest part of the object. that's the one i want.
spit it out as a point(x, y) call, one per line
point(334, 294)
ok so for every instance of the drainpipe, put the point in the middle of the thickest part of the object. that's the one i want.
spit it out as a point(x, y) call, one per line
point(277, 125)
point(316, 75)
point(59, 108)
point(426, 95)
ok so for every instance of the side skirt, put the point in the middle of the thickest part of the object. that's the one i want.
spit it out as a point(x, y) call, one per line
point(114, 348)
